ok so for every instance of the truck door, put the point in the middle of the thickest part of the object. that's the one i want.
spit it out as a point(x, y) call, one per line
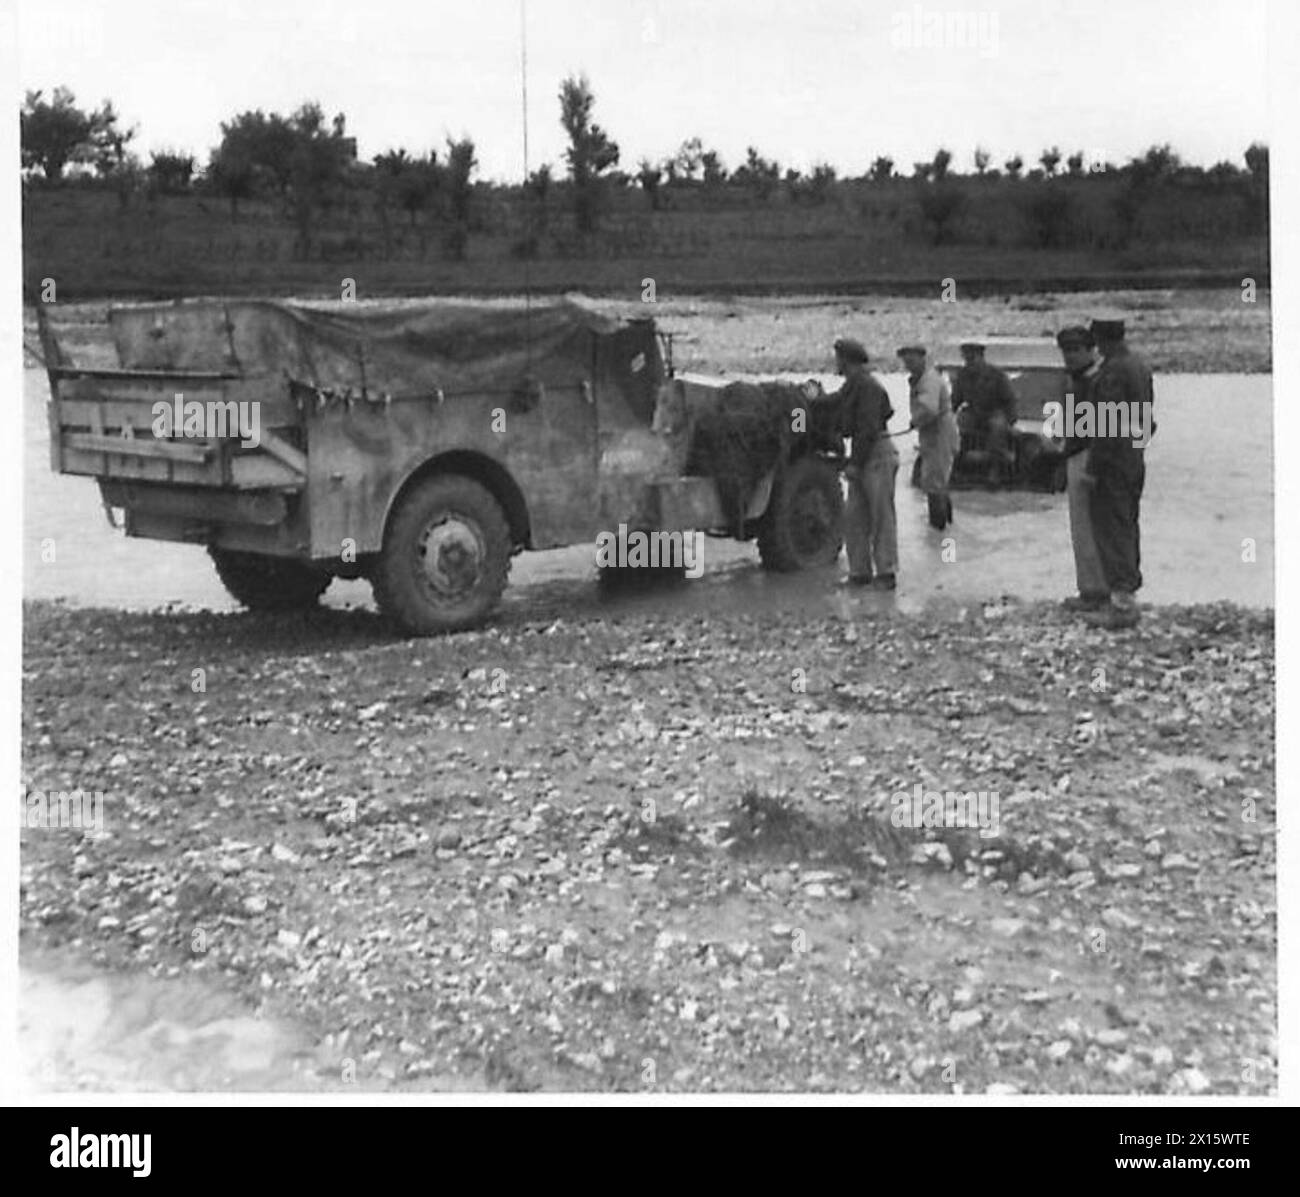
point(552, 452)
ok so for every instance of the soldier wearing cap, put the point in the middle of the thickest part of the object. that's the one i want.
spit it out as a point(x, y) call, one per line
point(985, 406)
point(870, 528)
point(1078, 351)
point(931, 410)
point(1123, 404)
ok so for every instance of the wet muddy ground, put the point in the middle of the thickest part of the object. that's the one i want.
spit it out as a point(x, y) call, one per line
point(1207, 525)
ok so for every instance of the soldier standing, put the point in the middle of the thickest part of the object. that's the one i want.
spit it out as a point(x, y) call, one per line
point(1123, 421)
point(931, 410)
point(870, 526)
point(985, 406)
point(1077, 349)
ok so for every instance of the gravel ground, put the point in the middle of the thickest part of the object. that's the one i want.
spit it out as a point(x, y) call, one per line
point(1186, 332)
point(657, 854)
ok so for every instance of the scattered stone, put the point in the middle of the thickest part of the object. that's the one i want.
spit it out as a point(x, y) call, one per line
point(965, 1020)
point(1120, 1065)
point(1115, 918)
point(1193, 1080)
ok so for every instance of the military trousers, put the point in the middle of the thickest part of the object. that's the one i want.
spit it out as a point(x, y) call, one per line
point(1088, 574)
point(870, 523)
point(1114, 507)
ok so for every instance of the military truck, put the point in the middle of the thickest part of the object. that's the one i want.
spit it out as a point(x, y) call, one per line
point(423, 445)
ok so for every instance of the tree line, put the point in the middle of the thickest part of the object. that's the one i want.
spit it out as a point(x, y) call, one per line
point(309, 165)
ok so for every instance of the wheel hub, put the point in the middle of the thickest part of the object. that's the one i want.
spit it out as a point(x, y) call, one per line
point(451, 554)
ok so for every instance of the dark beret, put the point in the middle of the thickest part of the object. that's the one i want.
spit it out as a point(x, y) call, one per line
point(1075, 336)
point(971, 345)
point(852, 349)
point(912, 348)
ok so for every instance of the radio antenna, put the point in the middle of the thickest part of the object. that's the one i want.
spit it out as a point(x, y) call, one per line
point(528, 279)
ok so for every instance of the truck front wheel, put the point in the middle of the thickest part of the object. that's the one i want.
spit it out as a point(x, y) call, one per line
point(445, 558)
point(265, 583)
point(803, 526)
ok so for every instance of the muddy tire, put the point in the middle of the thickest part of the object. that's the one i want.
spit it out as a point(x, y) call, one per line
point(445, 559)
point(265, 583)
point(803, 527)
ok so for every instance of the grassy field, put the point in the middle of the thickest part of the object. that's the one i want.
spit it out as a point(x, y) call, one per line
point(873, 241)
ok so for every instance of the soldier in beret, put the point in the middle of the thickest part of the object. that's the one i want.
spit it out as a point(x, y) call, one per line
point(985, 406)
point(870, 527)
point(1078, 351)
point(931, 408)
point(1123, 403)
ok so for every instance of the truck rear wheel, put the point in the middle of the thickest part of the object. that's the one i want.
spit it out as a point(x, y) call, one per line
point(803, 527)
point(445, 559)
point(265, 583)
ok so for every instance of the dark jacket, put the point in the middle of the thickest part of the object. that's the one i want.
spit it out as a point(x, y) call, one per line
point(984, 389)
point(1124, 379)
point(865, 411)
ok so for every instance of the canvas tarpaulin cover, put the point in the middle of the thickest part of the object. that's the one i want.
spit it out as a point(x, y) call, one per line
point(409, 348)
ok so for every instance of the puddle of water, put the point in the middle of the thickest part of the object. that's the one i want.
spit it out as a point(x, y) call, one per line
point(84, 1029)
point(1209, 489)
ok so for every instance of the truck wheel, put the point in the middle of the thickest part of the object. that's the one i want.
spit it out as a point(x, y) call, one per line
point(445, 559)
point(265, 583)
point(803, 526)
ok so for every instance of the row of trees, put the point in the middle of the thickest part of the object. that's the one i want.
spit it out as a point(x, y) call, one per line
point(308, 164)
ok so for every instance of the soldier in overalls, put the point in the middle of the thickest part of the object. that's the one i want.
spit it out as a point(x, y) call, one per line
point(931, 411)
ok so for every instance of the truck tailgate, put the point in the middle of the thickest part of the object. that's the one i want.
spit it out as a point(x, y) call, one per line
point(102, 425)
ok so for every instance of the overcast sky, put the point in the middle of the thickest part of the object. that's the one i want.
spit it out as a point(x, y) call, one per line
point(803, 80)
